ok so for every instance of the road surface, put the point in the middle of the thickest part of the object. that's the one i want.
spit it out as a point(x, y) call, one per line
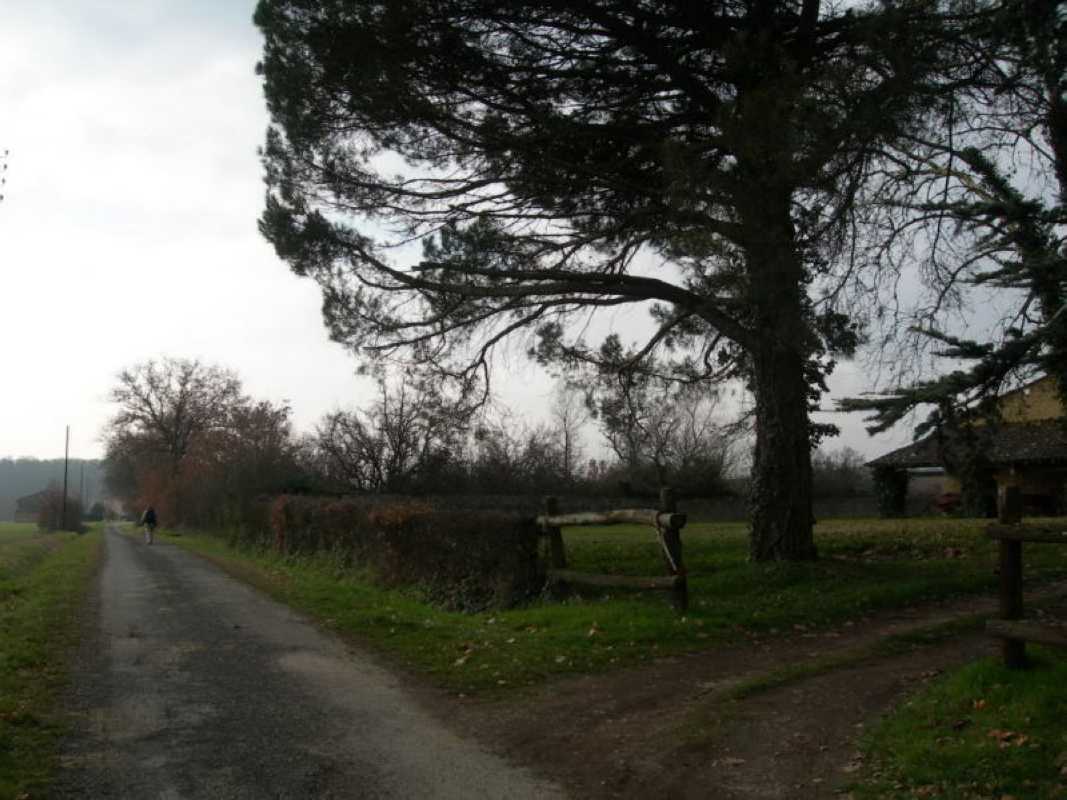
point(193, 685)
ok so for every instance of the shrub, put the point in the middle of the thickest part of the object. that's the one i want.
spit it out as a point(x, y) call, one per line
point(462, 560)
point(54, 516)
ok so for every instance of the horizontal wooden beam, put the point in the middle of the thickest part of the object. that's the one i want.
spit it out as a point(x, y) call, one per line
point(1027, 632)
point(662, 582)
point(1028, 533)
point(634, 516)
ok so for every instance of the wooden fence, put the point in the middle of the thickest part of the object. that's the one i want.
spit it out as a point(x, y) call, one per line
point(668, 524)
point(1011, 628)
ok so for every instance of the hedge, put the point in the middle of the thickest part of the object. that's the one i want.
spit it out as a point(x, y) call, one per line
point(461, 560)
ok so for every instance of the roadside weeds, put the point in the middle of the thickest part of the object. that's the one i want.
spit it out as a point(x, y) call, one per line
point(40, 626)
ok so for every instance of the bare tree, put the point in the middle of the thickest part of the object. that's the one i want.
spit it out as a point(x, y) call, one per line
point(569, 415)
point(398, 443)
point(664, 434)
point(706, 448)
point(171, 413)
point(840, 473)
point(167, 405)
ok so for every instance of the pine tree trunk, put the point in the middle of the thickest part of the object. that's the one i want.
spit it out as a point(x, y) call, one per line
point(781, 473)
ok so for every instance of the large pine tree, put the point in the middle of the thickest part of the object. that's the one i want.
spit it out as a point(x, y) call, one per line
point(539, 151)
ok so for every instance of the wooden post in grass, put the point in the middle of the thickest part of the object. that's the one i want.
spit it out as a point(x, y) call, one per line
point(672, 547)
point(1011, 577)
point(557, 555)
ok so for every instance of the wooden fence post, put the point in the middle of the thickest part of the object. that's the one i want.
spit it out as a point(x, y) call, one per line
point(1011, 577)
point(1011, 505)
point(557, 555)
point(672, 543)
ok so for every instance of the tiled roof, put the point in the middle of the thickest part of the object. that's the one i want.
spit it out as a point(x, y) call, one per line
point(1017, 443)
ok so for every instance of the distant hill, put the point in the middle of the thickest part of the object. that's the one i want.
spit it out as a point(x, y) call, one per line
point(23, 476)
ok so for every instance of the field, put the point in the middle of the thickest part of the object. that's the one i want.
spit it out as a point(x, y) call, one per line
point(42, 581)
point(865, 566)
point(21, 544)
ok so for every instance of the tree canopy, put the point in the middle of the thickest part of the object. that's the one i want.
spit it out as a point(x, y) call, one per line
point(168, 404)
point(187, 440)
point(985, 190)
point(455, 172)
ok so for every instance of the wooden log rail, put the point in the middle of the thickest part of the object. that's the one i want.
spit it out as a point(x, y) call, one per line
point(668, 524)
point(634, 516)
point(1011, 533)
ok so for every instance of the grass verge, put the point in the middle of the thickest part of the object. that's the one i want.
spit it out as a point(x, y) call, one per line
point(867, 565)
point(982, 731)
point(43, 579)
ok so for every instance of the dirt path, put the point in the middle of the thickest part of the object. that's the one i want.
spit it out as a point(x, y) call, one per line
point(672, 729)
point(195, 686)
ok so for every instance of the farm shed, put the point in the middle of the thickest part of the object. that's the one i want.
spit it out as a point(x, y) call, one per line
point(1028, 449)
point(27, 508)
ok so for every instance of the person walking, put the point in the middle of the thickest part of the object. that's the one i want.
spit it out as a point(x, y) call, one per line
point(148, 520)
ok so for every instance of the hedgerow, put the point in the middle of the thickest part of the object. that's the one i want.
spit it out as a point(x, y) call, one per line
point(461, 560)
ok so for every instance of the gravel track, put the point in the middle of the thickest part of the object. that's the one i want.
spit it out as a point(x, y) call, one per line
point(192, 685)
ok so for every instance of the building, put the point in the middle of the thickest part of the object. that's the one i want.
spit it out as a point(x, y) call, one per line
point(28, 508)
point(1028, 449)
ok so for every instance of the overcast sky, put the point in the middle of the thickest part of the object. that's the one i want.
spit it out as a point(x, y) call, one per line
point(128, 230)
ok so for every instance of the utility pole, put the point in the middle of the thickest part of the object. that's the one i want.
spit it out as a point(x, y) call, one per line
point(66, 459)
point(3, 172)
point(81, 489)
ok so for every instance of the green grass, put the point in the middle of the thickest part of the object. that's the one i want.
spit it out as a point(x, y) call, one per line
point(21, 542)
point(43, 579)
point(983, 731)
point(866, 565)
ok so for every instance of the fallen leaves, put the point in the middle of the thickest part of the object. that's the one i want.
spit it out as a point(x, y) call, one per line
point(1007, 739)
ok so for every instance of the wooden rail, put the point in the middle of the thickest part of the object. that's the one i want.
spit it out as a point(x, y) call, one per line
point(668, 524)
point(635, 516)
point(1011, 533)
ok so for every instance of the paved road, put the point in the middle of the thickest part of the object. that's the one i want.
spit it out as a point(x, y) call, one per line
point(196, 686)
